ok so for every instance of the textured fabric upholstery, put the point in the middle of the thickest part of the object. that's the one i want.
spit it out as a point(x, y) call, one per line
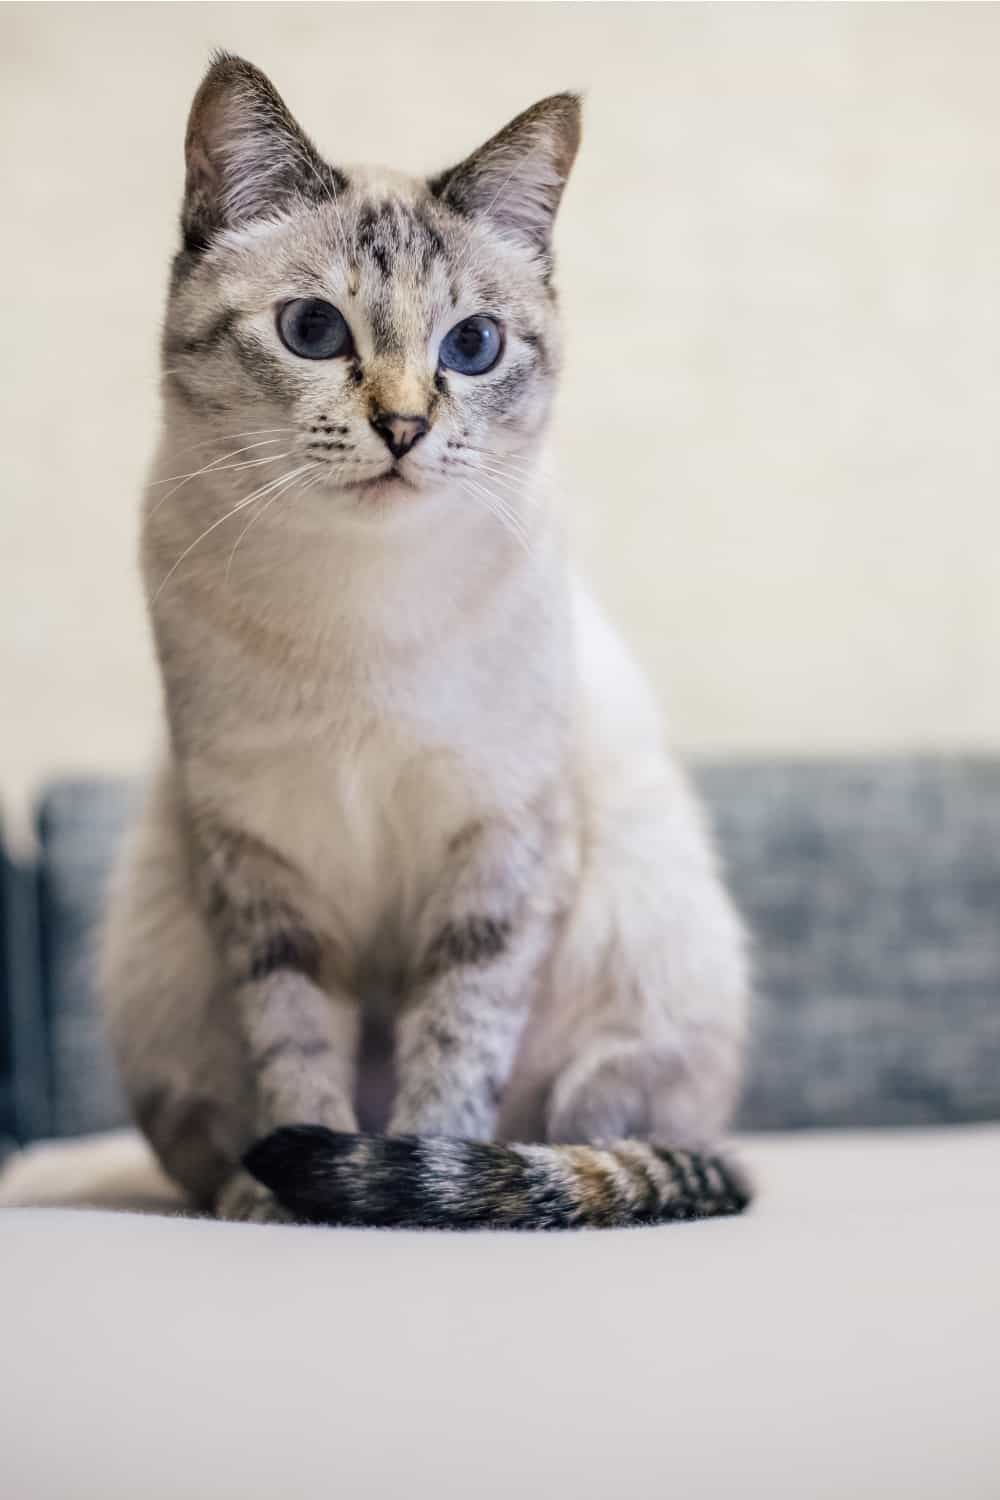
point(24, 1072)
point(80, 825)
point(6, 1026)
point(872, 890)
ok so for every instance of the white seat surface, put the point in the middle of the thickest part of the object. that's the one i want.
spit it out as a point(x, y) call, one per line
point(841, 1340)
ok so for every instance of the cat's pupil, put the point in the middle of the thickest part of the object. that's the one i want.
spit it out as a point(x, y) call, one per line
point(314, 325)
point(472, 338)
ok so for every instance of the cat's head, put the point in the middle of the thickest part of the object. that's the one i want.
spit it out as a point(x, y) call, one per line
point(394, 334)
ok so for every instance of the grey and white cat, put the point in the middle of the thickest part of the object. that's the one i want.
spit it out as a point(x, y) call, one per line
point(416, 820)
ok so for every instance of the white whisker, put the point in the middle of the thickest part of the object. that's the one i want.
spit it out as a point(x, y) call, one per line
point(509, 521)
point(210, 465)
point(232, 437)
point(280, 487)
point(250, 463)
point(240, 505)
point(304, 157)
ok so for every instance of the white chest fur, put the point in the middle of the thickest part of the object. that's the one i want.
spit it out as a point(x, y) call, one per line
point(359, 729)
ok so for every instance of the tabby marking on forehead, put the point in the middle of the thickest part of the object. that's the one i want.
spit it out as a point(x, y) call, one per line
point(401, 260)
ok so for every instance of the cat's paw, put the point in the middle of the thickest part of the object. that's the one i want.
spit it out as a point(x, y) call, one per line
point(246, 1201)
point(599, 1097)
point(617, 1089)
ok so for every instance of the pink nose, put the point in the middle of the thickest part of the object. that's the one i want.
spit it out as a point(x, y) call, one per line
point(398, 432)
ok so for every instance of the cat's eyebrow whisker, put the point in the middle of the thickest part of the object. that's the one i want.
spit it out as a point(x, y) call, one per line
point(304, 157)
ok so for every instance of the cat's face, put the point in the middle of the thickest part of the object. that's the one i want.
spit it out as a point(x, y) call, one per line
point(370, 334)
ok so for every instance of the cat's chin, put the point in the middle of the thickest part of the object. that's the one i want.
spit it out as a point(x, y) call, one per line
point(389, 486)
point(390, 499)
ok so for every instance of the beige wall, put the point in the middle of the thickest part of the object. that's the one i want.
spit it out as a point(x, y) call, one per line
point(781, 268)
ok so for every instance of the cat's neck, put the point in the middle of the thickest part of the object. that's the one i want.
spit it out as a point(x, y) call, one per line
point(319, 569)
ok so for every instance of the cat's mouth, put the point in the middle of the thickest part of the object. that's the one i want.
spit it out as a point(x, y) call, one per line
point(382, 484)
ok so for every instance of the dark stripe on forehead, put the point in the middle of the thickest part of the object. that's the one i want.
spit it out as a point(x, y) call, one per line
point(428, 236)
point(385, 334)
point(377, 236)
point(378, 241)
point(389, 227)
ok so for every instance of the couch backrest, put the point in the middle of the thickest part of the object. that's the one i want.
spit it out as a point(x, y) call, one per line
point(872, 889)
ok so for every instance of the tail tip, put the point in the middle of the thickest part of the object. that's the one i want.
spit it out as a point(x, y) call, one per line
point(277, 1160)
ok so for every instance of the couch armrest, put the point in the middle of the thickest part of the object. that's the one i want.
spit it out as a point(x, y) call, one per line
point(25, 1072)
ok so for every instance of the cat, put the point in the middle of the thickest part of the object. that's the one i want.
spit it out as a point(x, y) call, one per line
point(416, 821)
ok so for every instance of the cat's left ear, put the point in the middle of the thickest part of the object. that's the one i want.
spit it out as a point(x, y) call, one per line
point(247, 157)
point(516, 180)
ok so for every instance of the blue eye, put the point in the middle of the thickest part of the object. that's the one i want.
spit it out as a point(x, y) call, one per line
point(472, 347)
point(314, 329)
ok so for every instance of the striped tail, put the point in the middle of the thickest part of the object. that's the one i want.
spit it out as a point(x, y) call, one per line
point(436, 1182)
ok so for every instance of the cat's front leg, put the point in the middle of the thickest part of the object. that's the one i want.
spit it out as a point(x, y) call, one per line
point(483, 941)
point(301, 1039)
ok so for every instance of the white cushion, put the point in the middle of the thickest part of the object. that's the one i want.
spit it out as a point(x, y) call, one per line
point(841, 1340)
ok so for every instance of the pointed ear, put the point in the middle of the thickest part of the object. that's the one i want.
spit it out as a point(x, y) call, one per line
point(516, 180)
point(247, 158)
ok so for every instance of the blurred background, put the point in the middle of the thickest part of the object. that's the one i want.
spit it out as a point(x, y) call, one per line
point(780, 421)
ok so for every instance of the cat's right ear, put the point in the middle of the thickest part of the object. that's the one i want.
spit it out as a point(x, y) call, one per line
point(247, 157)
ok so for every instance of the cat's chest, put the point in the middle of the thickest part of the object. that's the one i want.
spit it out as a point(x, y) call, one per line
point(365, 814)
point(360, 766)
point(364, 794)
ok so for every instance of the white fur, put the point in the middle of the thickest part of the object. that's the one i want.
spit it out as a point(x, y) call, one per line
point(355, 683)
point(436, 665)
